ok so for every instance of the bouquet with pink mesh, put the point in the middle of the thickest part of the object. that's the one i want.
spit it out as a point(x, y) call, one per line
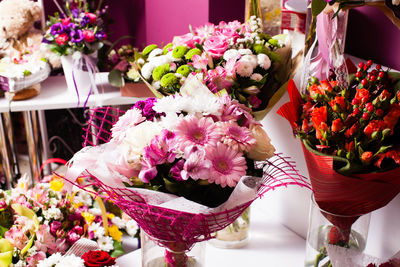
point(183, 166)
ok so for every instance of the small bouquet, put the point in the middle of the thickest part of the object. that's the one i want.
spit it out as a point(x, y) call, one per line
point(75, 29)
point(36, 223)
point(350, 139)
point(183, 166)
point(231, 57)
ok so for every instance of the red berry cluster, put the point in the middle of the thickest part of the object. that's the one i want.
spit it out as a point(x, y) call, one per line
point(358, 122)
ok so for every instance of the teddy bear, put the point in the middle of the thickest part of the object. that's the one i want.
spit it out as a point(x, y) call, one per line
point(21, 42)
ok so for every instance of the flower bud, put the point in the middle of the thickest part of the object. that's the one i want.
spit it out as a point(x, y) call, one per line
point(341, 153)
point(252, 90)
point(366, 157)
point(376, 135)
point(386, 132)
point(350, 155)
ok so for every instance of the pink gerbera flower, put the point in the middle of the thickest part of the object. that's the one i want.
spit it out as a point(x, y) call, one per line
point(191, 131)
point(130, 119)
point(236, 137)
point(227, 165)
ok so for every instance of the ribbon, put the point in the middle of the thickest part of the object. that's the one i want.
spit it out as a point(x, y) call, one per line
point(85, 63)
point(330, 43)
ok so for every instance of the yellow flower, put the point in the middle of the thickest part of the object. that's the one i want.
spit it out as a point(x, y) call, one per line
point(110, 215)
point(57, 184)
point(115, 233)
point(88, 217)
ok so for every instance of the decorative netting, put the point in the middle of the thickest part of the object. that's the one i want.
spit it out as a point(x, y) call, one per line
point(170, 224)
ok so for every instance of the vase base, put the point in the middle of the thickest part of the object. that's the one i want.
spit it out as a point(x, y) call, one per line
point(229, 244)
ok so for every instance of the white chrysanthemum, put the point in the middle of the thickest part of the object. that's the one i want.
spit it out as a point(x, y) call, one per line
point(83, 197)
point(70, 260)
point(147, 70)
point(131, 227)
point(245, 51)
point(244, 69)
point(230, 53)
point(50, 261)
point(256, 76)
point(170, 120)
point(53, 213)
point(136, 139)
point(156, 84)
point(264, 61)
point(105, 243)
point(97, 229)
point(118, 222)
point(155, 52)
point(169, 104)
point(252, 59)
point(160, 60)
point(95, 211)
point(203, 104)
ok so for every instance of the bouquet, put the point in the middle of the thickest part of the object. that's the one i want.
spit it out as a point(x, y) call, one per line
point(36, 223)
point(350, 139)
point(182, 166)
point(231, 57)
point(75, 29)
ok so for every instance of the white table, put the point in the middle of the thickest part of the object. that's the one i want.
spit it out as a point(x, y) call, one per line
point(56, 95)
point(271, 244)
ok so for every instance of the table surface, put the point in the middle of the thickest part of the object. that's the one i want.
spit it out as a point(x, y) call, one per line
point(270, 242)
point(55, 94)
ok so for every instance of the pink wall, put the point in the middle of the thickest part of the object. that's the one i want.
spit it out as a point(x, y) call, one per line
point(166, 18)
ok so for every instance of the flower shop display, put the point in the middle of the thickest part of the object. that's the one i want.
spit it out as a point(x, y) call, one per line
point(76, 34)
point(123, 74)
point(183, 166)
point(232, 57)
point(350, 142)
point(43, 221)
point(23, 62)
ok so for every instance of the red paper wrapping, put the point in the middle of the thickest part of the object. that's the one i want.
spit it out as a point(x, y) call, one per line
point(335, 193)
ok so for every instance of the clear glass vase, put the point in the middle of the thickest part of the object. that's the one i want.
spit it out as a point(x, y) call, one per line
point(235, 235)
point(345, 231)
point(170, 253)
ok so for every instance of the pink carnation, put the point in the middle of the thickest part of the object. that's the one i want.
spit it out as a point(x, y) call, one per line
point(215, 46)
point(227, 165)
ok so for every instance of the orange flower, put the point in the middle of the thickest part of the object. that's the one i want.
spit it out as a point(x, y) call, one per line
point(337, 125)
point(318, 116)
point(373, 126)
point(352, 130)
point(326, 86)
point(322, 128)
point(334, 83)
point(367, 156)
point(315, 89)
point(362, 95)
point(349, 146)
point(384, 95)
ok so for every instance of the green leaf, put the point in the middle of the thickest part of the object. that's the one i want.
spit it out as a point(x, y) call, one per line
point(118, 249)
point(3, 230)
point(115, 78)
point(317, 6)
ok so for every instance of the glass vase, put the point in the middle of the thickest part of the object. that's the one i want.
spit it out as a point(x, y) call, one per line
point(345, 231)
point(170, 253)
point(235, 235)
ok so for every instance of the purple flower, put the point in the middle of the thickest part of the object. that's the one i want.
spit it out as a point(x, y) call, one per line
point(54, 227)
point(100, 35)
point(44, 40)
point(69, 27)
point(76, 36)
point(85, 21)
point(176, 170)
point(146, 106)
point(57, 28)
point(75, 12)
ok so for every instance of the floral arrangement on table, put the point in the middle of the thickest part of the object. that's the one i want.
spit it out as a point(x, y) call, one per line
point(92, 258)
point(350, 137)
point(75, 29)
point(183, 166)
point(231, 57)
point(36, 223)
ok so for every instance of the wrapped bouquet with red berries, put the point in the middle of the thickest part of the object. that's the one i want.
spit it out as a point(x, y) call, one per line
point(351, 141)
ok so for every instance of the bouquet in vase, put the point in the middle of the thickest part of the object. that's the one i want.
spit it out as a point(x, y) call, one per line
point(39, 222)
point(183, 166)
point(350, 137)
point(235, 58)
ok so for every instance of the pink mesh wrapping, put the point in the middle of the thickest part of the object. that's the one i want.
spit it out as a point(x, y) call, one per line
point(173, 225)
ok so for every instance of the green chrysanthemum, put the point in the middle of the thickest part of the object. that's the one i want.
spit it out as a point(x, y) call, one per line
point(183, 70)
point(192, 52)
point(260, 49)
point(160, 71)
point(148, 49)
point(169, 80)
point(179, 51)
point(166, 48)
